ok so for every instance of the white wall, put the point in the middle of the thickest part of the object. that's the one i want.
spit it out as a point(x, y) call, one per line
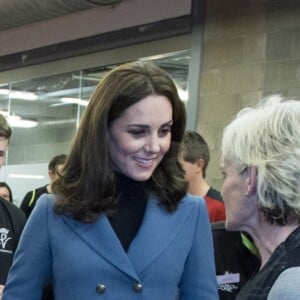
point(20, 186)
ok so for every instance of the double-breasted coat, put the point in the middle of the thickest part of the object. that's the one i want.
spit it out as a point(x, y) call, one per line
point(171, 253)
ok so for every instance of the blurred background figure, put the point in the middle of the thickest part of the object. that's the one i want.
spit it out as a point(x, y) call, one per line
point(12, 219)
point(5, 191)
point(260, 159)
point(194, 157)
point(54, 167)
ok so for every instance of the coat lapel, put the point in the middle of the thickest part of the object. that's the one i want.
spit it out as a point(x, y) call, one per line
point(158, 229)
point(102, 239)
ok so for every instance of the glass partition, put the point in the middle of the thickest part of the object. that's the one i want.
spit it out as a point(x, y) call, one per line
point(45, 112)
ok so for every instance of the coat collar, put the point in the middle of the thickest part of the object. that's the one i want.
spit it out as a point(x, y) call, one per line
point(158, 228)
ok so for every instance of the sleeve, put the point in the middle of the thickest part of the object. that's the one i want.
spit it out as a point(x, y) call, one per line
point(286, 286)
point(199, 276)
point(19, 221)
point(32, 261)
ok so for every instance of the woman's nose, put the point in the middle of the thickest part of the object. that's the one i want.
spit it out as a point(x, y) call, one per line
point(152, 144)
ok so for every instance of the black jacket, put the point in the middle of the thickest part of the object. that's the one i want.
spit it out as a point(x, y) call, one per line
point(235, 263)
point(29, 201)
point(285, 256)
point(12, 221)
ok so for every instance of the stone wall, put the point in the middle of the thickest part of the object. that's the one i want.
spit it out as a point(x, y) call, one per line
point(251, 49)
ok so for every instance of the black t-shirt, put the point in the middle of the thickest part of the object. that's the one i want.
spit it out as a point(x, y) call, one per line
point(285, 256)
point(12, 221)
point(235, 263)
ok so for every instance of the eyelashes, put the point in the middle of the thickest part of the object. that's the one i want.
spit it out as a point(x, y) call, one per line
point(144, 132)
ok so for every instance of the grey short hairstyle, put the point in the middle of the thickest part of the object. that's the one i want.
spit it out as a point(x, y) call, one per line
point(268, 137)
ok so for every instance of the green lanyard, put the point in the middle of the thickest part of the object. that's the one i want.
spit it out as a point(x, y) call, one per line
point(249, 245)
point(32, 198)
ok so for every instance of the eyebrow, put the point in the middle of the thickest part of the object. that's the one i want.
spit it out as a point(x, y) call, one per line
point(169, 123)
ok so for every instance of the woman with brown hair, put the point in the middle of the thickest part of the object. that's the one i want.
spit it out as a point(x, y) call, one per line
point(119, 223)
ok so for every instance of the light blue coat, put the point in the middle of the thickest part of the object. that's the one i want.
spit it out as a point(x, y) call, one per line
point(171, 251)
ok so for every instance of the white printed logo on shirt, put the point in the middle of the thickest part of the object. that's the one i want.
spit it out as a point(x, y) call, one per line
point(4, 238)
point(228, 282)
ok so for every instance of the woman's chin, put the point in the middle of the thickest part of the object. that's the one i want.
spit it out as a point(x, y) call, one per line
point(230, 226)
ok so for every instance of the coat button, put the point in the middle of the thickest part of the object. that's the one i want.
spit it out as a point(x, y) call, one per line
point(137, 287)
point(100, 288)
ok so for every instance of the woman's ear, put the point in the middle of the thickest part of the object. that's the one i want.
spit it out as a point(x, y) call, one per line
point(251, 173)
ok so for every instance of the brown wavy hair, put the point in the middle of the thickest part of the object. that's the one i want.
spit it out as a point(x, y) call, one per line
point(85, 188)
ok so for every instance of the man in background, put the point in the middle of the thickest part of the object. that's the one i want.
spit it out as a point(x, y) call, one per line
point(12, 219)
point(54, 168)
point(194, 157)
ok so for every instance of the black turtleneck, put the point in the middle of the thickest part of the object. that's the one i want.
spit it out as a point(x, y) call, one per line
point(131, 206)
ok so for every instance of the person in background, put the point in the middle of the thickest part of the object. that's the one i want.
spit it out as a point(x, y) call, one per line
point(235, 263)
point(260, 158)
point(194, 157)
point(12, 219)
point(54, 167)
point(5, 192)
point(120, 224)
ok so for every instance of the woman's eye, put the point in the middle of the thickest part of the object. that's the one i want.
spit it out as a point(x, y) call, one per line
point(164, 131)
point(137, 133)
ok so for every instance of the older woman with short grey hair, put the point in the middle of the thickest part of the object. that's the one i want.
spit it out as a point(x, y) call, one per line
point(260, 163)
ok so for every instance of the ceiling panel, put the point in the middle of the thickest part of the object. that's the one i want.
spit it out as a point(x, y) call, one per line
point(15, 13)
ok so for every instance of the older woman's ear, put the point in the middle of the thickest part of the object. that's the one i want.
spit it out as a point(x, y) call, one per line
point(251, 173)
